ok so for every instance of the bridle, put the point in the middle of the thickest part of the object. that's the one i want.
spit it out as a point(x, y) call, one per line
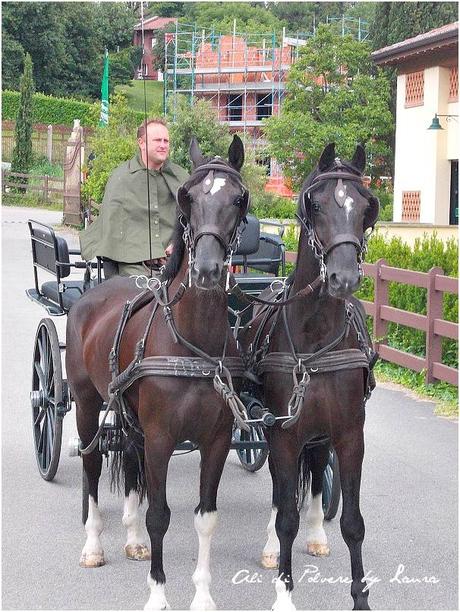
point(190, 237)
point(340, 171)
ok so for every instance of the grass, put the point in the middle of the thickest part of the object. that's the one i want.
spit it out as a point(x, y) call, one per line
point(445, 396)
point(32, 198)
point(135, 94)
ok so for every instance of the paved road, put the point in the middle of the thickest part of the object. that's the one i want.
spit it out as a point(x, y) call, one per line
point(409, 502)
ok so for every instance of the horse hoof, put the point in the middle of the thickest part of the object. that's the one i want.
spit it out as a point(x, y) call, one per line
point(137, 552)
point(318, 550)
point(203, 603)
point(270, 560)
point(162, 606)
point(92, 560)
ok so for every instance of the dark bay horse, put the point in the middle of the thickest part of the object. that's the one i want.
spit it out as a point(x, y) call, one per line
point(335, 211)
point(168, 408)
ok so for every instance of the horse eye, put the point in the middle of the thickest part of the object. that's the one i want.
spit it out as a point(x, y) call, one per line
point(315, 206)
point(238, 202)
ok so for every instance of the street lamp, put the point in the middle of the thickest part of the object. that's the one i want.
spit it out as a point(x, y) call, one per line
point(435, 125)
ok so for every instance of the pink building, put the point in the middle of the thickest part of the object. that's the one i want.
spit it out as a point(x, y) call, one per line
point(152, 26)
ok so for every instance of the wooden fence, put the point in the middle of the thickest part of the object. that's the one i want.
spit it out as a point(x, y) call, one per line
point(434, 326)
point(50, 188)
point(43, 144)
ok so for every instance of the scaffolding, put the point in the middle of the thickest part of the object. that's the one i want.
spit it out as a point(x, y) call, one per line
point(242, 75)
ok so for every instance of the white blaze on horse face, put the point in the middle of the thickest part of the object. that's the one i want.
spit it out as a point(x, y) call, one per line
point(217, 185)
point(157, 599)
point(205, 525)
point(92, 554)
point(348, 206)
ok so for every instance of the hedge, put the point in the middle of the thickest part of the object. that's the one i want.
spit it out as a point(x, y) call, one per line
point(50, 110)
point(427, 252)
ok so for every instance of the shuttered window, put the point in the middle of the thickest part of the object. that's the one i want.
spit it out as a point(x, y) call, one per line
point(411, 206)
point(415, 85)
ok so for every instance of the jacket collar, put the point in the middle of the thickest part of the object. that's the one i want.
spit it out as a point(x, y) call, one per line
point(136, 164)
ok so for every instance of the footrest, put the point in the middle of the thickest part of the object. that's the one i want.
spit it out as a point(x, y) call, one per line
point(52, 308)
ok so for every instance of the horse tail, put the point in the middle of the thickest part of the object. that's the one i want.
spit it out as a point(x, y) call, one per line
point(303, 476)
point(129, 456)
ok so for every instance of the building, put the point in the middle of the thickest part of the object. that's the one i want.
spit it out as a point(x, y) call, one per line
point(426, 160)
point(151, 28)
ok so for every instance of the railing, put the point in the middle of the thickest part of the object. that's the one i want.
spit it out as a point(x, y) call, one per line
point(47, 185)
point(434, 326)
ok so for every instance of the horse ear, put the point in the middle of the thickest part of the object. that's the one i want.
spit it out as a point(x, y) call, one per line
point(183, 201)
point(327, 157)
point(236, 153)
point(359, 158)
point(195, 153)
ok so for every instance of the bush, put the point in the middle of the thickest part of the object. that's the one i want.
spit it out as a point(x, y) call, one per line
point(50, 110)
point(270, 206)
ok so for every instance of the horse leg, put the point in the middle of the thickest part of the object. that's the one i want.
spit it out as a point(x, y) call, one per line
point(89, 402)
point(285, 462)
point(212, 464)
point(271, 551)
point(317, 545)
point(133, 460)
point(157, 456)
point(350, 451)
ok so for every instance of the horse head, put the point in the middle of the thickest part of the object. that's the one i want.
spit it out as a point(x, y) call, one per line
point(337, 211)
point(213, 202)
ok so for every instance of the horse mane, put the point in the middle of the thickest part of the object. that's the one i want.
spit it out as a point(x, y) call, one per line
point(175, 259)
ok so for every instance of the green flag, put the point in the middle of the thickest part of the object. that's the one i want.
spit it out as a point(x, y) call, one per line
point(104, 119)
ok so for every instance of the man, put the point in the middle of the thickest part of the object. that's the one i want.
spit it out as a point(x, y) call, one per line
point(120, 233)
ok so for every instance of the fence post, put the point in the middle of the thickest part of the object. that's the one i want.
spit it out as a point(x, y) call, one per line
point(433, 311)
point(49, 144)
point(45, 189)
point(380, 298)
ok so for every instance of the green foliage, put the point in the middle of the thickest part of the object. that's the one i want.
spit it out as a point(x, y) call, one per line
point(270, 206)
point(66, 41)
point(50, 110)
point(122, 66)
point(426, 253)
point(220, 15)
point(325, 105)
point(385, 197)
point(396, 21)
point(199, 120)
point(112, 145)
point(22, 152)
point(12, 61)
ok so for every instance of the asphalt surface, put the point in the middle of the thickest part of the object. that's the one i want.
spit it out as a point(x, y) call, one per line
point(409, 502)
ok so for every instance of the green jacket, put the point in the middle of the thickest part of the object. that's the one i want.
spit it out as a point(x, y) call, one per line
point(121, 230)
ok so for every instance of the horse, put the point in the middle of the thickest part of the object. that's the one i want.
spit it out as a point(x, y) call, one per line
point(325, 404)
point(174, 400)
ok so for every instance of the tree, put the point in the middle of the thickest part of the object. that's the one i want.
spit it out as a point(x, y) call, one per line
point(334, 94)
point(12, 62)
point(396, 21)
point(22, 152)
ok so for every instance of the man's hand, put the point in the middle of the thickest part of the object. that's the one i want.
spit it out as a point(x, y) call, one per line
point(169, 249)
point(155, 263)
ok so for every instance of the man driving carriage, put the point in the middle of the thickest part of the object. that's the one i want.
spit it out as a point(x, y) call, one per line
point(120, 234)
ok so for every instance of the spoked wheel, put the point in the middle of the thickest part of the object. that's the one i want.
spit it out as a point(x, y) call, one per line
point(331, 487)
point(47, 399)
point(252, 459)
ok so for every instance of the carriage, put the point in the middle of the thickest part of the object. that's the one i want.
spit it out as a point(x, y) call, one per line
point(260, 257)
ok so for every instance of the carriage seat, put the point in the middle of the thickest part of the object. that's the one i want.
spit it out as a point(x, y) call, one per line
point(52, 254)
point(260, 250)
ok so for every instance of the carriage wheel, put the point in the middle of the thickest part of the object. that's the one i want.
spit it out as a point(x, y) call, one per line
point(47, 399)
point(331, 487)
point(252, 459)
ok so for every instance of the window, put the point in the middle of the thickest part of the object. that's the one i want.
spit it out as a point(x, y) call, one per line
point(154, 42)
point(263, 106)
point(453, 84)
point(415, 84)
point(411, 206)
point(235, 107)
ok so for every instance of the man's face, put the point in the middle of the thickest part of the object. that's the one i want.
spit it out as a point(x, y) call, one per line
point(157, 146)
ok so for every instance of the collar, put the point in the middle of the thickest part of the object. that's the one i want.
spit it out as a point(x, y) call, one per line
point(136, 164)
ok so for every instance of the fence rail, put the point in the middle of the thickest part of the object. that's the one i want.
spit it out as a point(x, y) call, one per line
point(434, 326)
point(47, 186)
